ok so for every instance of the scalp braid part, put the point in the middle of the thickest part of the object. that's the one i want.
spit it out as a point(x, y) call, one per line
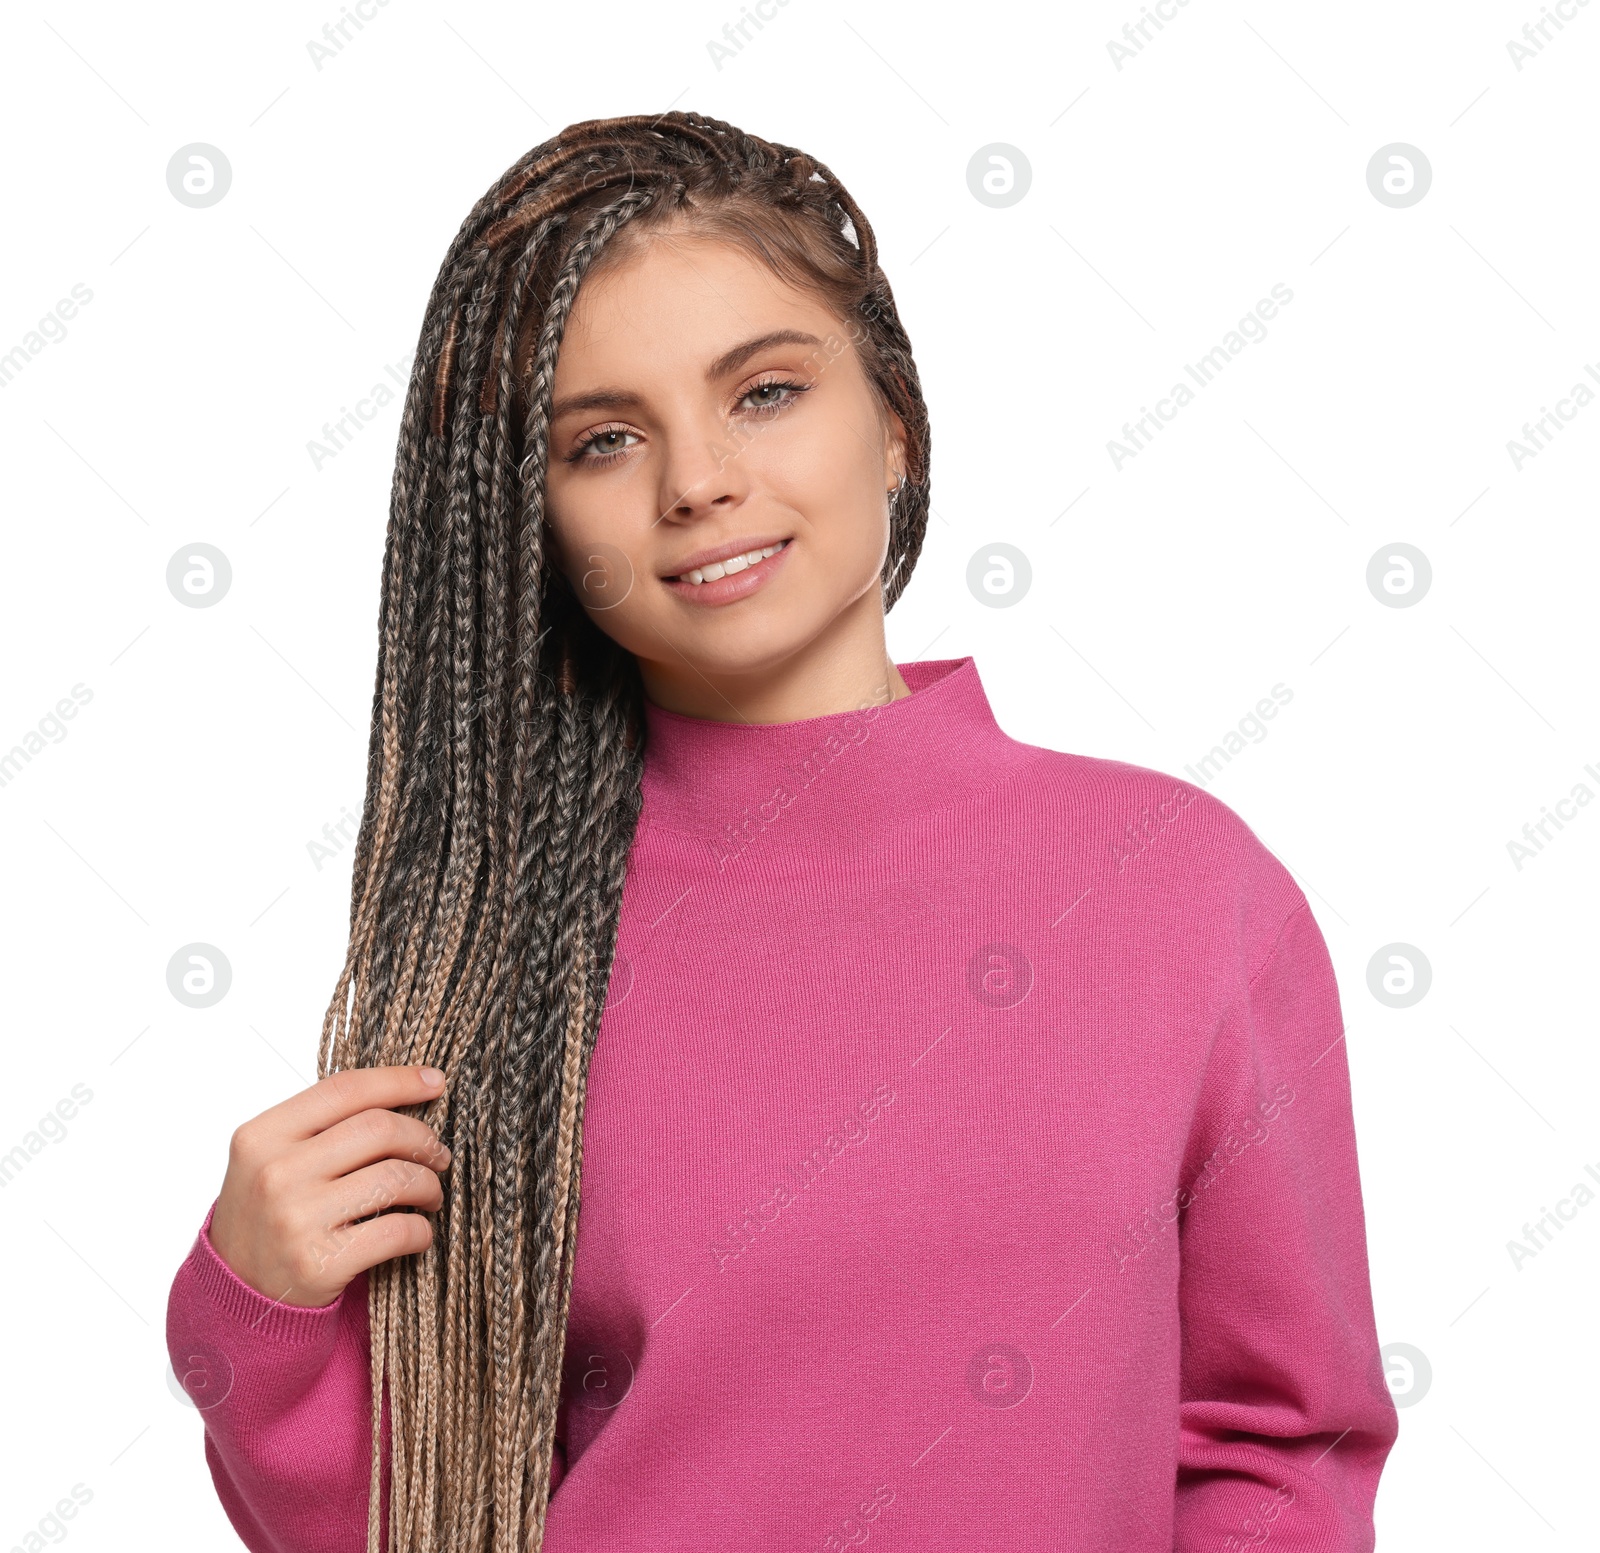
point(504, 761)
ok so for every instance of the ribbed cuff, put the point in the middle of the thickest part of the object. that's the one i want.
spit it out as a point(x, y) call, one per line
point(249, 1307)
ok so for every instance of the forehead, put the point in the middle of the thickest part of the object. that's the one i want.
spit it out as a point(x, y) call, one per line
point(671, 300)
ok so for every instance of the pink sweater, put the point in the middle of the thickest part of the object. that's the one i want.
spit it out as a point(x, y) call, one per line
point(967, 1162)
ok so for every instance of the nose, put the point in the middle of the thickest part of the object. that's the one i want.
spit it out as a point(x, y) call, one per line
point(702, 473)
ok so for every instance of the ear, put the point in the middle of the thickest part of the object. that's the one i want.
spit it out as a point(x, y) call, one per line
point(895, 456)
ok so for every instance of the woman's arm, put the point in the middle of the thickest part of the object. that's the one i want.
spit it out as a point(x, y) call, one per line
point(1285, 1418)
point(267, 1317)
point(284, 1392)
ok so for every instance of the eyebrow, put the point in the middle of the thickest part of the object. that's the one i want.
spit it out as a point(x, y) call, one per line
point(729, 361)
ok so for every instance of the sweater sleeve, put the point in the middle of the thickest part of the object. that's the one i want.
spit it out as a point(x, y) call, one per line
point(285, 1395)
point(1284, 1417)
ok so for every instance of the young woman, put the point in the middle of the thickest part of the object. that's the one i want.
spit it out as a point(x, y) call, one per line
point(967, 1148)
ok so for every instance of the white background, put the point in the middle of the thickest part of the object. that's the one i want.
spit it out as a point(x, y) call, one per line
point(1168, 596)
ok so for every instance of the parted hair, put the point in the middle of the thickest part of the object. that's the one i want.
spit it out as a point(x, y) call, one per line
point(503, 782)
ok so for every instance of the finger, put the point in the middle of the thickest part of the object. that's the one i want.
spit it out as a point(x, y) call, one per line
point(340, 1095)
point(392, 1183)
point(350, 1208)
point(331, 1258)
point(368, 1137)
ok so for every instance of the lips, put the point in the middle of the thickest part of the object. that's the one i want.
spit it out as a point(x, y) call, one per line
point(725, 561)
point(733, 577)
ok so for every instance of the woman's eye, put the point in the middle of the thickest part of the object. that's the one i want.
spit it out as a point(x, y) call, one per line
point(606, 444)
point(788, 390)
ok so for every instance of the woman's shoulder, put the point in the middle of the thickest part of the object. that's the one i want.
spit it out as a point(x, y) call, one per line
point(1142, 821)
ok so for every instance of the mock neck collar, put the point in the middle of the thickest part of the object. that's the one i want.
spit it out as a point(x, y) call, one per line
point(747, 789)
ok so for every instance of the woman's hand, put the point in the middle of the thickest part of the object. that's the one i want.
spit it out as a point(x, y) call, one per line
point(301, 1173)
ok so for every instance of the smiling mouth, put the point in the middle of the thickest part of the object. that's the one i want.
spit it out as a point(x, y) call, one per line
point(727, 568)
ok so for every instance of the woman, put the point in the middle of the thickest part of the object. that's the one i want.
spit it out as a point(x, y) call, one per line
point(967, 1148)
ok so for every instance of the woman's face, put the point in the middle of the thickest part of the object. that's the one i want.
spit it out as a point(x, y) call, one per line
point(704, 408)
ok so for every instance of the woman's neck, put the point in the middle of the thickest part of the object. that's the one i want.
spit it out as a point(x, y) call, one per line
point(845, 668)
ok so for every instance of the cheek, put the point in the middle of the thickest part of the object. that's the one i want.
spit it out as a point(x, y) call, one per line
point(603, 560)
point(574, 526)
point(605, 576)
point(830, 468)
point(560, 550)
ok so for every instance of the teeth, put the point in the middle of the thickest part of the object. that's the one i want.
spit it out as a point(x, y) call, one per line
point(734, 563)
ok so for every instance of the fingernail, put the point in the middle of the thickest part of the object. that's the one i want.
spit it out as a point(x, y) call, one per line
point(432, 1077)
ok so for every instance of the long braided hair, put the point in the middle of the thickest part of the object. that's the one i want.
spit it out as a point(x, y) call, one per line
point(503, 783)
